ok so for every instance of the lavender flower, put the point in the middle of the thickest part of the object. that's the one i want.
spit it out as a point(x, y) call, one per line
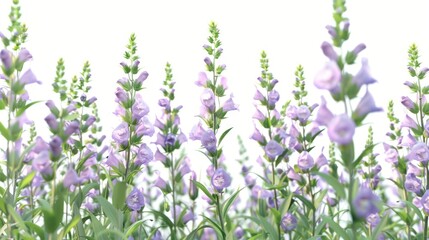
point(273, 98)
point(419, 152)
point(365, 203)
point(145, 127)
point(341, 129)
point(135, 200)
point(139, 108)
point(390, 153)
point(71, 178)
point(121, 134)
point(324, 115)
point(363, 76)
point(144, 155)
point(409, 104)
point(208, 140)
point(208, 99)
point(303, 113)
point(42, 165)
point(6, 59)
point(412, 183)
point(329, 77)
point(288, 222)
point(220, 180)
point(366, 106)
point(329, 51)
point(273, 149)
point(408, 122)
point(305, 161)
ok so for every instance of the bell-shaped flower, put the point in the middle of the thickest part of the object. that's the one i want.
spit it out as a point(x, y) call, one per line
point(135, 200)
point(341, 129)
point(328, 51)
point(273, 149)
point(363, 77)
point(202, 79)
point(329, 77)
point(365, 106)
point(257, 136)
point(71, 178)
point(273, 98)
point(412, 183)
point(229, 105)
point(145, 127)
point(220, 180)
point(288, 222)
point(139, 108)
point(305, 161)
point(144, 155)
point(419, 152)
point(425, 202)
point(408, 122)
point(208, 140)
point(121, 134)
point(208, 99)
point(324, 115)
point(365, 203)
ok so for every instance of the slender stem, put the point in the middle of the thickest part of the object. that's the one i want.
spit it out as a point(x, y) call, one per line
point(312, 201)
point(173, 179)
point(219, 211)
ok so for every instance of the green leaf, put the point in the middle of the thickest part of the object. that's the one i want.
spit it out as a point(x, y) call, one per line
point(204, 189)
point(69, 226)
point(21, 110)
point(37, 229)
point(111, 213)
point(134, 227)
point(334, 183)
point(224, 135)
point(306, 202)
point(4, 132)
point(364, 153)
point(164, 218)
point(118, 196)
point(336, 228)
point(27, 180)
point(415, 209)
point(227, 204)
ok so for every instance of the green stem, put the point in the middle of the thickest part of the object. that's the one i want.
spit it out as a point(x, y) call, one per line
point(219, 211)
point(173, 177)
point(312, 201)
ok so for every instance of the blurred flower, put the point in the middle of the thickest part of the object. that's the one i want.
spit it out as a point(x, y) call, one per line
point(329, 77)
point(412, 183)
point(409, 123)
point(288, 222)
point(419, 152)
point(425, 202)
point(145, 127)
point(139, 108)
point(324, 115)
point(366, 106)
point(363, 76)
point(365, 203)
point(341, 129)
point(391, 154)
point(305, 161)
point(373, 219)
point(144, 155)
point(329, 51)
point(208, 99)
point(202, 79)
point(121, 134)
point(208, 140)
point(273, 149)
point(71, 178)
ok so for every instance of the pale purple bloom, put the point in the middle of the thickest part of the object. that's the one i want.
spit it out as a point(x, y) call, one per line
point(292, 112)
point(409, 123)
point(160, 157)
point(425, 202)
point(257, 136)
point(273, 149)
point(28, 77)
point(71, 107)
point(40, 145)
point(90, 121)
point(407, 140)
point(202, 79)
point(321, 160)
point(417, 202)
point(157, 236)
point(6, 58)
point(91, 206)
point(144, 155)
point(71, 178)
point(419, 152)
point(359, 48)
point(208, 140)
point(341, 129)
point(139, 108)
point(112, 160)
point(259, 115)
point(91, 100)
point(208, 99)
point(259, 193)
point(121, 134)
point(305, 161)
point(121, 95)
point(239, 232)
point(288, 222)
point(303, 113)
point(220, 180)
point(52, 122)
point(208, 61)
point(71, 128)
point(273, 98)
point(373, 219)
point(42, 164)
point(135, 200)
point(413, 169)
point(408, 103)
point(196, 132)
point(331, 31)
point(365, 203)
point(363, 76)
point(329, 77)
point(193, 189)
point(258, 96)
point(390, 153)
point(291, 174)
point(366, 106)
point(24, 55)
point(224, 81)
point(145, 127)
point(229, 105)
point(88, 174)
point(412, 183)
point(55, 146)
point(324, 115)
point(162, 184)
point(142, 77)
point(329, 51)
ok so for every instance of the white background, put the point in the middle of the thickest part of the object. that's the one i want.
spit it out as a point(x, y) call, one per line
point(291, 33)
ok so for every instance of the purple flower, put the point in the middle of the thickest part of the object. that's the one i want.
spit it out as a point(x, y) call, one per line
point(273, 98)
point(220, 180)
point(259, 115)
point(303, 113)
point(257, 136)
point(239, 232)
point(144, 155)
point(324, 115)
point(140, 108)
point(208, 140)
point(321, 160)
point(112, 160)
point(411, 168)
point(329, 77)
point(412, 183)
point(202, 79)
point(425, 202)
point(229, 105)
point(52, 122)
point(24, 55)
point(6, 58)
point(363, 76)
point(390, 153)
point(365, 203)
point(162, 184)
point(121, 134)
point(28, 77)
point(157, 236)
point(305, 161)
point(408, 103)
point(208, 99)
point(135, 201)
point(341, 129)
point(42, 164)
point(273, 149)
point(55, 147)
point(332, 31)
point(292, 112)
point(193, 189)
point(71, 128)
point(142, 77)
point(90, 121)
point(208, 61)
point(121, 95)
point(373, 219)
point(258, 96)
point(288, 222)
point(419, 152)
point(196, 132)
point(407, 140)
point(409, 123)
point(145, 127)
point(366, 106)
point(329, 51)
point(359, 48)
point(291, 174)
point(71, 178)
